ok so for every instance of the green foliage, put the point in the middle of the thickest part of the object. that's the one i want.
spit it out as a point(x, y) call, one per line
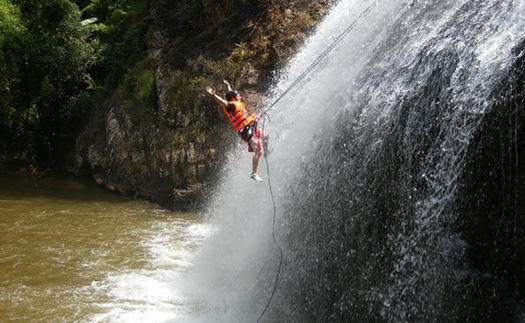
point(177, 89)
point(9, 19)
point(239, 53)
point(139, 92)
point(183, 95)
point(145, 86)
point(45, 54)
point(229, 69)
point(121, 27)
point(183, 89)
point(52, 56)
point(9, 36)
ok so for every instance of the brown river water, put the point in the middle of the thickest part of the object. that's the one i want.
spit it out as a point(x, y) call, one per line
point(72, 252)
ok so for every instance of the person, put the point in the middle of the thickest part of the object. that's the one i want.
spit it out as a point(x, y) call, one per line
point(245, 123)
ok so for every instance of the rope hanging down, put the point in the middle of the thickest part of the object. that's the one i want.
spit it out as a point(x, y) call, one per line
point(302, 76)
point(323, 55)
point(273, 236)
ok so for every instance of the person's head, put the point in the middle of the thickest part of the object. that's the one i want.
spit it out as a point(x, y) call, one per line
point(233, 95)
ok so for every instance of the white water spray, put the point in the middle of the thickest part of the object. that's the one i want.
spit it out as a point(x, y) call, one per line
point(373, 77)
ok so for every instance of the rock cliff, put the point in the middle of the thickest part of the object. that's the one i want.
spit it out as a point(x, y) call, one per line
point(158, 136)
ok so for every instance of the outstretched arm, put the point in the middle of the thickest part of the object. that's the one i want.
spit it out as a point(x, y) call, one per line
point(228, 86)
point(222, 102)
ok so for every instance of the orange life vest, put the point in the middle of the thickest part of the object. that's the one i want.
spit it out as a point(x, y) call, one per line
point(238, 115)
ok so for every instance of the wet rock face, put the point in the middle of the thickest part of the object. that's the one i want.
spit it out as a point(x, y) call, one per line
point(492, 204)
point(126, 158)
point(384, 242)
point(150, 152)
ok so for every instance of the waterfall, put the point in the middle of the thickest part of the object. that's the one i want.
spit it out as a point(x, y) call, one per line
point(382, 165)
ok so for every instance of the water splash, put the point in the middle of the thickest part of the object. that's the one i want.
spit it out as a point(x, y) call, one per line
point(368, 154)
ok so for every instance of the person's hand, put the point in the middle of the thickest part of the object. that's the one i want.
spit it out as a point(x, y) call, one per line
point(210, 90)
point(228, 86)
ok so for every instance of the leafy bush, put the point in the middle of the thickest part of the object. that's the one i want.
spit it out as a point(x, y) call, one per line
point(52, 56)
point(45, 55)
point(121, 28)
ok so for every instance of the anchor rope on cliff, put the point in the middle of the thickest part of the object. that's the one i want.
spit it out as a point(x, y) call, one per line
point(265, 114)
point(322, 56)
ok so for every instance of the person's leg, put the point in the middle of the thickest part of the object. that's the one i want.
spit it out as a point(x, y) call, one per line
point(265, 137)
point(255, 161)
point(256, 146)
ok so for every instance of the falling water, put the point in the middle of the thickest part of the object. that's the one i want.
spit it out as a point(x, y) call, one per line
point(372, 166)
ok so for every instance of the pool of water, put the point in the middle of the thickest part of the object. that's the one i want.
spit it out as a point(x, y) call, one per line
point(72, 252)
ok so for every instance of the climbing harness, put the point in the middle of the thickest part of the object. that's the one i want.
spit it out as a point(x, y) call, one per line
point(265, 115)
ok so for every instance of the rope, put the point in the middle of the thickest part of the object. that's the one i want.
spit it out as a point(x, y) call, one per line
point(265, 114)
point(323, 55)
point(273, 235)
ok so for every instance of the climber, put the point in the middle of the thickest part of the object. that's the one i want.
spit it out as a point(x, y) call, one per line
point(244, 123)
